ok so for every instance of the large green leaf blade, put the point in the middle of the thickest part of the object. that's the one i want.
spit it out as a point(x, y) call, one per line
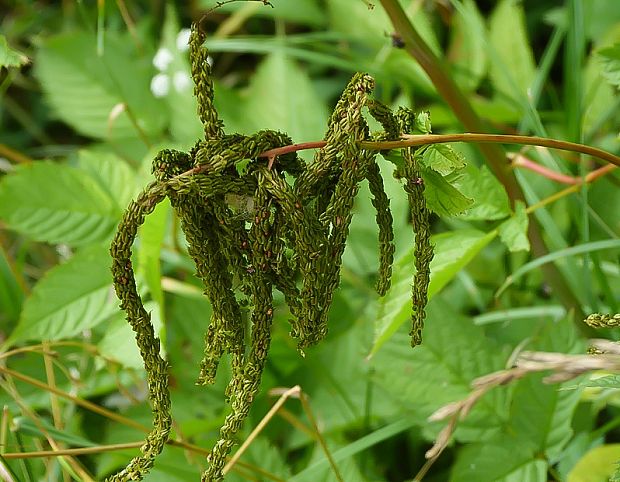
point(542, 414)
point(282, 97)
point(441, 191)
point(11, 294)
point(467, 50)
point(600, 463)
point(112, 174)
point(119, 343)
point(71, 297)
point(152, 234)
point(455, 351)
point(500, 460)
point(453, 251)
point(513, 70)
point(262, 453)
point(57, 204)
point(85, 89)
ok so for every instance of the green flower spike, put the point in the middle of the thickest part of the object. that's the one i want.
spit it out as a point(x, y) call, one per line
point(280, 224)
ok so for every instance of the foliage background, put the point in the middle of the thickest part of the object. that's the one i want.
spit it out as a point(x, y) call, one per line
point(72, 159)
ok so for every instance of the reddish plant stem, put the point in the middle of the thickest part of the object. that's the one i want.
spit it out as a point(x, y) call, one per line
point(426, 139)
point(524, 162)
point(600, 172)
point(280, 151)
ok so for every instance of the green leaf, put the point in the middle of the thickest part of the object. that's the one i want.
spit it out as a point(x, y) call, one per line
point(513, 231)
point(598, 464)
point(85, 90)
point(610, 58)
point(608, 381)
point(601, 96)
point(281, 96)
point(10, 57)
point(441, 196)
point(360, 22)
point(11, 295)
point(262, 453)
point(70, 298)
point(423, 122)
point(119, 341)
point(541, 415)
point(112, 174)
point(370, 26)
point(514, 70)
point(500, 460)
point(443, 159)
point(467, 50)
point(57, 204)
point(490, 198)
point(183, 315)
point(43, 429)
point(454, 352)
point(553, 312)
point(152, 234)
point(305, 12)
point(600, 17)
point(558, 255)
point(356, 447)
point(453, 251)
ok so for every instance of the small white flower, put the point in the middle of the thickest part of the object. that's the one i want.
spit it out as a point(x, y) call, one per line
point(210, 60)
point(160, 85)
point(162, 59)
point(181, 81)
point(183, 40)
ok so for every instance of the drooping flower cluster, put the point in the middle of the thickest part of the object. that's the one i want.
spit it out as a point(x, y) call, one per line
point(289, 235)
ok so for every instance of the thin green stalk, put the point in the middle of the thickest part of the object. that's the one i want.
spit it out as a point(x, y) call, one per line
point(573, 98)
point(542, 73)
point(308, 411)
